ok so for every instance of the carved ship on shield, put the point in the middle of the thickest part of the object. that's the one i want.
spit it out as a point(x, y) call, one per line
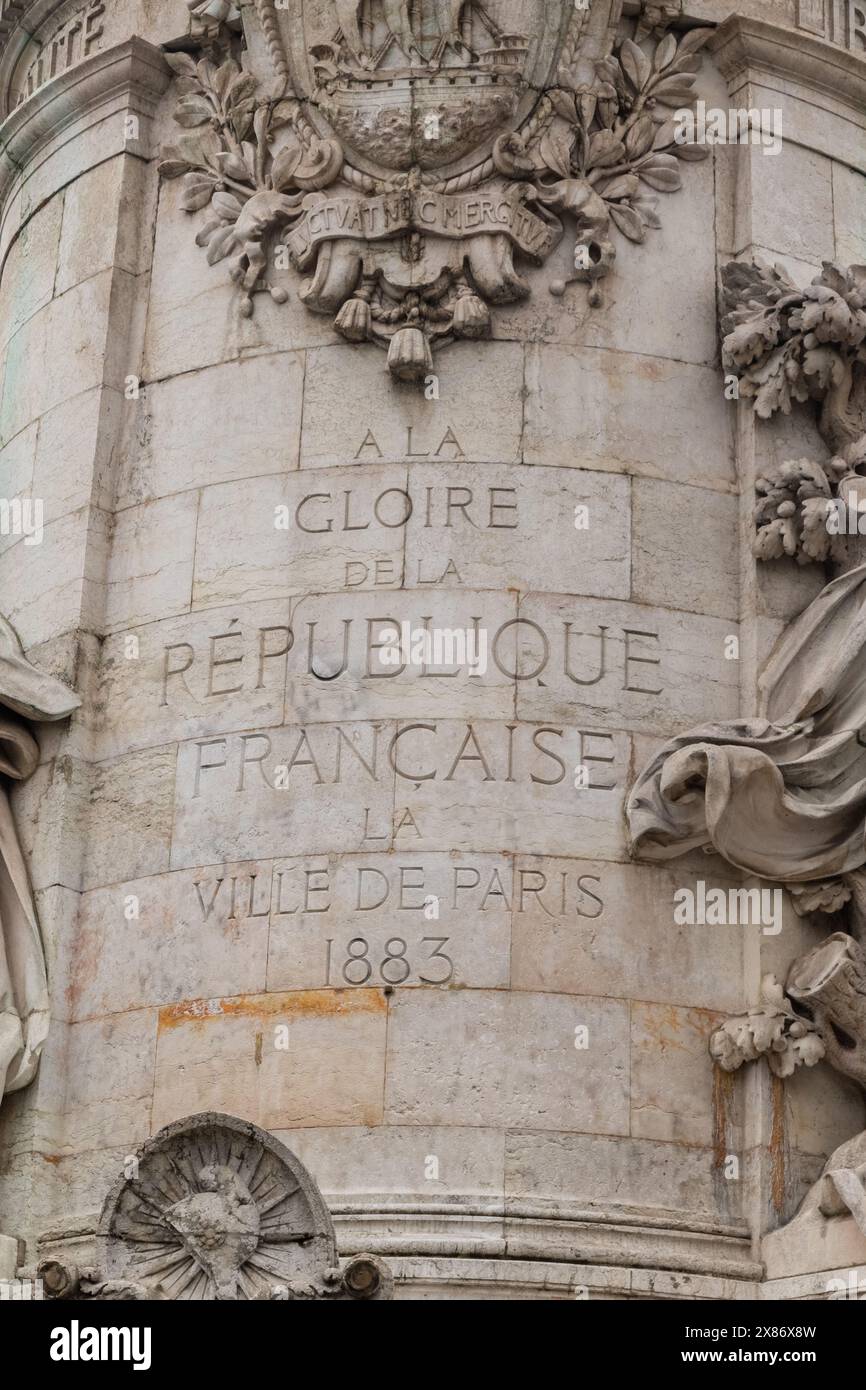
point(418, 82)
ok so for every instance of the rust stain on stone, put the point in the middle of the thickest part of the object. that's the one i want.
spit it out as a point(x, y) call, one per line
point(307, 1003)
point(777, 1147)
point(723, 1095)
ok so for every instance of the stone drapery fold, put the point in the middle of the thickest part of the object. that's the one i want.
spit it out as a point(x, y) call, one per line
point(25, 694)
point(782, 796)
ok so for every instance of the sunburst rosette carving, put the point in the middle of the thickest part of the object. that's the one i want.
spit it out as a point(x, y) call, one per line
point(218, 1210)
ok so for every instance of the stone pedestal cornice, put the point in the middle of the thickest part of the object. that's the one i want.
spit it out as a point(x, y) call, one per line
point(135, 67)
point(747, 48)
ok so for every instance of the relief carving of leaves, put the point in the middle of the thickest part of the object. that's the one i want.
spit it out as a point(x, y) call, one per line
point(647, 210)
point(182, 64)
point(221, 243)
point(285, 164)
point(204, 235)
point(187, 86)
point(625, 186)
point(691, 153)
point(197, 191)
point(629, 222)
point(810, 1049)
point(820, 363)
point(233, 167)
point(206, 72)
point(564, 105)
point(173, 168)
point(605, 149)
point(694, 40)
point(555, 149)
point(660, 171)
point(665, 53)
point(635, 64)
point(242, 117)
point(193, 111)
point(228, 206)
point(675, 91)
point(641, 137)
point(224, 77)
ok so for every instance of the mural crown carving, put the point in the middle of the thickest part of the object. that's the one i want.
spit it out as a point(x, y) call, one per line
point(412, 158)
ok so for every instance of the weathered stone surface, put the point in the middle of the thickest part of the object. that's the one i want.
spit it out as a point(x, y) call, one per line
point(354, 413)
point(615, 394)
point(235, 1055)
point(547, 1082)
point(371, 908)
point(184, 423)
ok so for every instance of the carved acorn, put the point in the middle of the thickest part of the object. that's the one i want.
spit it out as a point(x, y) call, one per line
point(353, 321)
point(409, 356)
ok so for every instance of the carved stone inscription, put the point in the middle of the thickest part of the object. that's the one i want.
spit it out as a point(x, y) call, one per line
point(62, 47)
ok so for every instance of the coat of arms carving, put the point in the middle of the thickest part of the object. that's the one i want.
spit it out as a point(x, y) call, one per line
point(413, 159)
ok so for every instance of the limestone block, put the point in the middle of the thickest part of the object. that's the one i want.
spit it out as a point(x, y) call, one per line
point(685, 551)
point(394, 1160)
point(637, 414)
point(622, 665)
point(354, 410)
point(819, 1117)
point(242, 555)
point(228, 1055)
point(151, 562)
point(592, 1169)
point(253, 795)
point(512, 529)
point(67, 338)
point(849, 214)
point(57, 909)
point(160, 939)
point(335, 632)
point(647, 310)
point(105, 222)
point(49, 809)
point(16, 472)
point(490, 786)
point(671, 1072)
point(487, 1057)
point(47, 582)
point(429, 527)
point(582, 927)
point(8, 1257)
point(27, 282)
point(238, 420)
point(129, 821)
point(193, 676)
point(110, 1081)
point(406, 918)
point(805, 231)
point(73, 456)
point(193, 318)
